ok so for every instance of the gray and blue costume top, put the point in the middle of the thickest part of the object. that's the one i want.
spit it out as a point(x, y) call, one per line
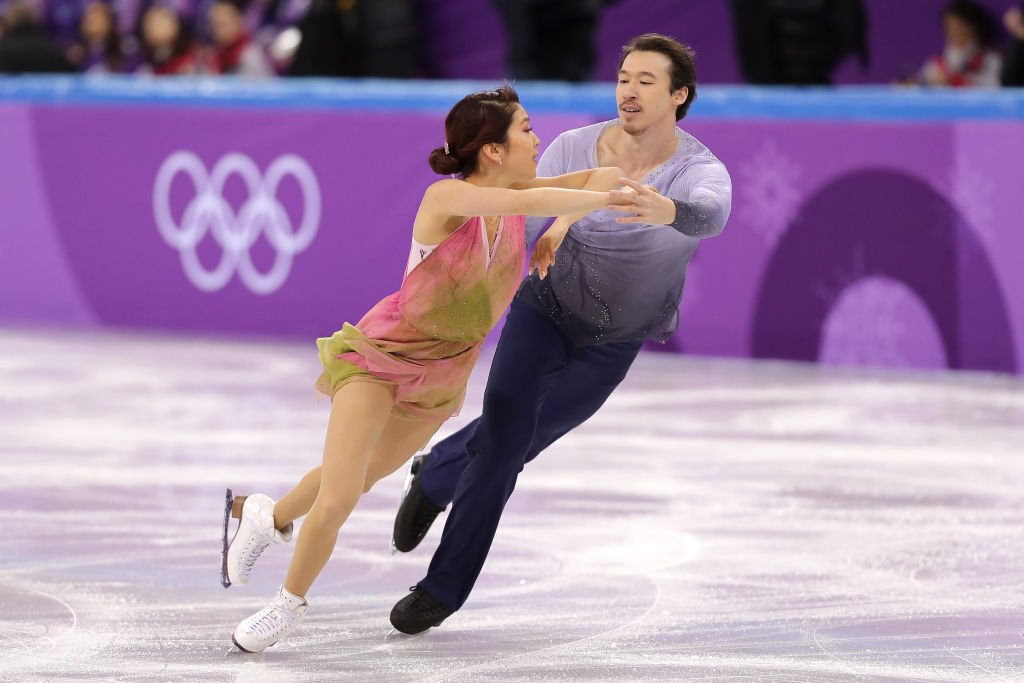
point(617, 282)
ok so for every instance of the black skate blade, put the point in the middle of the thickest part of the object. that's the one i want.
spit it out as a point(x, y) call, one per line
point(229, 499)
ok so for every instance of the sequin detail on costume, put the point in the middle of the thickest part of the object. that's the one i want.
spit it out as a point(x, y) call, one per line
point(615, 282)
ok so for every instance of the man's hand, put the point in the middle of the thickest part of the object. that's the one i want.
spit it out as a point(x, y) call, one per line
point(644, 202)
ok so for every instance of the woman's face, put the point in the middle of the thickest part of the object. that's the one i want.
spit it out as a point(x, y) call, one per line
point(522, 147)
point(225, 24)
point(160, 27)
point(958, 32)
point(96, 22)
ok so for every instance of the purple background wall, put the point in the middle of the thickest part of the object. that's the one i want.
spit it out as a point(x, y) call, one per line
point(862, 242)
point(903, 34)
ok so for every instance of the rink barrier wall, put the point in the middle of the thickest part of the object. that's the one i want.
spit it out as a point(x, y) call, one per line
point(869, 226)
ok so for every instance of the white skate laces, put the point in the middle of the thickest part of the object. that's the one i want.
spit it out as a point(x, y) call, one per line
point(271, 624)
point(255, 532)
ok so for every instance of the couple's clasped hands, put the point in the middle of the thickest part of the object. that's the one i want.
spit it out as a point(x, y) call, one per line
point(643, 203)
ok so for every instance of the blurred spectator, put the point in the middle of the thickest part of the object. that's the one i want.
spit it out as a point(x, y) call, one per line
point(166, 44)
point(25, 46)
point(969, 57)
point(234, 51)
point(357, 38)
point(1013, 64)
point(550, 40)
point(99, 48)
point(798, 42)
point(61, 19)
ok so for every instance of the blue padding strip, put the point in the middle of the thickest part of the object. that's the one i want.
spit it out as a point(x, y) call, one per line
point(592, 99)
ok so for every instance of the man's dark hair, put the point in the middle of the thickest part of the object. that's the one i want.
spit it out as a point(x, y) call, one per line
point(682, 73)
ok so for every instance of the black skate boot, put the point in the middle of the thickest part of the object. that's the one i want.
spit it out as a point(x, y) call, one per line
point(418, 611)
point(415, 512)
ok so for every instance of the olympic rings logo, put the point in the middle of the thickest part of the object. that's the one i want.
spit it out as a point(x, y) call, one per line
point(262, 213)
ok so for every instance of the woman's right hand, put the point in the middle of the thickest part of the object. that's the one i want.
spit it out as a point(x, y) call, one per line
point(544, 251)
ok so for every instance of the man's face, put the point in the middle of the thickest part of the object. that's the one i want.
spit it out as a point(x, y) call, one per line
point(643, 92)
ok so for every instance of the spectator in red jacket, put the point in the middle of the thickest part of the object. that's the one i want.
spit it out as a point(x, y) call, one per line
point(970, 57)
point(234, 51)
point(166, 44)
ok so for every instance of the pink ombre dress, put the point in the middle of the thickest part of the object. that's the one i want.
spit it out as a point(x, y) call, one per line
point(425, 338)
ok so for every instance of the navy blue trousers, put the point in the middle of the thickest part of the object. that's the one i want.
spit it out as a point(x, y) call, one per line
point(540, 387)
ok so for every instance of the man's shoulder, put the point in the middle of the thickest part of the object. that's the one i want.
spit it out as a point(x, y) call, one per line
point(582, 134)
point(691, 147)
point(691, 152)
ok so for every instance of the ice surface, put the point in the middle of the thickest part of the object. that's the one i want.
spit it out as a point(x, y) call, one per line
point(716, 521)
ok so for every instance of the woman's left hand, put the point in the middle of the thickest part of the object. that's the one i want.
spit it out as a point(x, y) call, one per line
point(544, 251)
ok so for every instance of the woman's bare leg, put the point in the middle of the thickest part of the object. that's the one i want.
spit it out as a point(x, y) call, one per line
point(359, 413)
point(401, 439)
point(399, 442)
point(299, 500)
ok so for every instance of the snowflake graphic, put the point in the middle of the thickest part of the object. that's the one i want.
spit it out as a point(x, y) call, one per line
point(864, 327)
point(768, 190)
point(973, 193)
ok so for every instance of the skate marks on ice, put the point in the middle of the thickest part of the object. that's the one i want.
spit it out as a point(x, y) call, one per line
point(715, 521)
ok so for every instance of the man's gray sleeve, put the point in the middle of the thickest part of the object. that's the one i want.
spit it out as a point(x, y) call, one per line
point(703, 199)
point(551, 163)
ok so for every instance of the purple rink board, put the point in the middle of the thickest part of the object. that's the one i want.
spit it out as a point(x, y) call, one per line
point(884, 243)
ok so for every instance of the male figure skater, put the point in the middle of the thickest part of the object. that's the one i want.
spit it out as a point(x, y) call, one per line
point(570, 337)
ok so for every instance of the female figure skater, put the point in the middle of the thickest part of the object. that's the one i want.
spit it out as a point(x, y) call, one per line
point(398, 374)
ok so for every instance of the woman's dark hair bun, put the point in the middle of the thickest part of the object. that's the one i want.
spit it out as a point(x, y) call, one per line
point(443, 163)
point(478, 119)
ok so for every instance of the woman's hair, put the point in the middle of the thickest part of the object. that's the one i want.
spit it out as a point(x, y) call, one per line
point(477, 120)
point(682, 73)
point(977, 16)
point(112, 50)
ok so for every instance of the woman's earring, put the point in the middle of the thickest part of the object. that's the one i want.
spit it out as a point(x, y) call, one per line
point(499, 161)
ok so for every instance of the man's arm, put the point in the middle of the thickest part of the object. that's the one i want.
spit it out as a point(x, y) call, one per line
point(697, 205)
point(708, 201)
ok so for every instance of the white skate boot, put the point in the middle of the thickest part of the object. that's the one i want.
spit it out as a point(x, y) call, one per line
point(254, 533)
point(271, 624)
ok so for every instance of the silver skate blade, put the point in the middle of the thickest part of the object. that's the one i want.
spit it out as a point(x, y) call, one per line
point(396, 635)
point(229, 500)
